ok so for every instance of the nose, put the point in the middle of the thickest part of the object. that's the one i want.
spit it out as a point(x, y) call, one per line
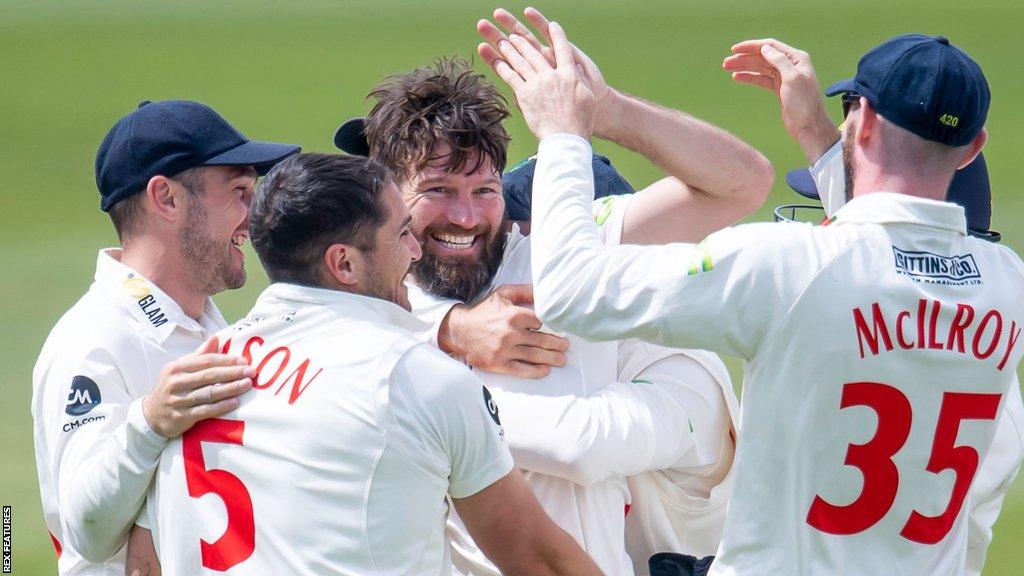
point(464, 213)
point(415, 250)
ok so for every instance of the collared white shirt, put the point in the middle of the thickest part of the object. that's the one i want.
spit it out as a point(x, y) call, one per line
point(876, 331)
point(1003, 462)
point(340, 459)
point(95, 452)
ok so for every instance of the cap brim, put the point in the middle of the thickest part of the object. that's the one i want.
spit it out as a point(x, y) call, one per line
point(802, 183)
point(260, 155)
point(840, 87)
point(351, 139)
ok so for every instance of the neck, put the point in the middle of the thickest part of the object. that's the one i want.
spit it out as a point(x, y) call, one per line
point(870, 179)
point(163, 266)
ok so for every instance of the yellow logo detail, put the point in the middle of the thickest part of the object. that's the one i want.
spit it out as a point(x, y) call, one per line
point(949, 120)
point(701, 260)
point(137, 287)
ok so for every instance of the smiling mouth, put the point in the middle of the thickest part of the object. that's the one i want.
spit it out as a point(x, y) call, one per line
point(239, 239)
point(455, 241)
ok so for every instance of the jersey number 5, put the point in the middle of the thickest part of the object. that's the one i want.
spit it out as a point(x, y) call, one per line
point(882, 477)
point(239, 539)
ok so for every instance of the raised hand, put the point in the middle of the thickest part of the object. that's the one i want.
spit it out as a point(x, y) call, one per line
point(500, 334)
point(553, 97)
point(200, 385)
point(788, 72)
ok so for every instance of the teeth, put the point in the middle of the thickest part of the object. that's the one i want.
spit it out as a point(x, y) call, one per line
point(454, 242)
point(238, 240)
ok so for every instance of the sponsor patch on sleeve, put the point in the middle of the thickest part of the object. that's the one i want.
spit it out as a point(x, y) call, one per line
point(929, 268)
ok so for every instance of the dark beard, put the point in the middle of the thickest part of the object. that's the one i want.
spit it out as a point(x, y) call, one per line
point(849, 137)
point(458, 279)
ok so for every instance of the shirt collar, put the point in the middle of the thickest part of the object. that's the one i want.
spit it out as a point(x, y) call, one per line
point(893, 208)
point(150, 305)
point(346, 303)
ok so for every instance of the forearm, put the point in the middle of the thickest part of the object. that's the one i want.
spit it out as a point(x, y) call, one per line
point(816, 138)
point(621, 430)
point(709, 160)
point(101, 495)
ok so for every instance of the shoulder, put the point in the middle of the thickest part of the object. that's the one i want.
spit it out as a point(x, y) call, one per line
point(432, 375)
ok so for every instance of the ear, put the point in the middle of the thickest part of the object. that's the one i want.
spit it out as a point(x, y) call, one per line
point(868, 124)
point(974, 148)
point(164, 198)
point(343, 265)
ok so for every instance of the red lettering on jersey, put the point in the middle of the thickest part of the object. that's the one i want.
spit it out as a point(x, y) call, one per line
point(963, 318)
point(903, 315)
point(297, 387)
point(247, 349)
point(933, 327)
point(922, 305)
point(871, 336)
point(1014, 336)
point(981, 332)
point(280, 350)
point(227, 346)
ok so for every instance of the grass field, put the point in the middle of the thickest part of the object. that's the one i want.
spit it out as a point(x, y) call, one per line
point(292, 71)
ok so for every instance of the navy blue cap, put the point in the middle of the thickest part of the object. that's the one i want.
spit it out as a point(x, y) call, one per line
point(351, 139)
point(169, 137)
point(970, 188)
point(925, 85)
point(517, 185)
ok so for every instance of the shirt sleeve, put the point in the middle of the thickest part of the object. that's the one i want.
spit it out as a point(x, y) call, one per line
point(107, 464)
point(448, 409)
point(737, 280)
point(620, 430)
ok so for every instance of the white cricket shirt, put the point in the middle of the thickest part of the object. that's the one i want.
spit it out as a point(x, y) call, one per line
point(95, 453)
point(1003, 461)
point(880, 349)
point(340, 460)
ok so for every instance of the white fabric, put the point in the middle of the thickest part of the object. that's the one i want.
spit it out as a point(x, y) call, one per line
point(96, 464)
point(352, 439)
point(1003, 462)
point(594, 515)
point(786, 298)
point(682, 508)
point(830, 178)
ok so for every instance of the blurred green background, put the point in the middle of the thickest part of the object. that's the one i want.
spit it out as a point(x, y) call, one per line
point(292, 71)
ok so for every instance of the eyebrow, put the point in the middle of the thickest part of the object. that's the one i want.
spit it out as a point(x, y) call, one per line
point(437, 179)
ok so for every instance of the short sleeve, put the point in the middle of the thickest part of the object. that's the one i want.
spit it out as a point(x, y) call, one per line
point(444, 412)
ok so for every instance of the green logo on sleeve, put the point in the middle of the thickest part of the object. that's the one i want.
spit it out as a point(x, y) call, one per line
point(701, 260)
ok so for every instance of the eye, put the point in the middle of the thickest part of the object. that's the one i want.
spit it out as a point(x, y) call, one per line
point(486, 191)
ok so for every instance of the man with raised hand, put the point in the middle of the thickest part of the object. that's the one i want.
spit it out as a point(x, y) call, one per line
point(343, 457)
point(879, 347)
point(788, 72)
point(132, 363)
point(439, 130)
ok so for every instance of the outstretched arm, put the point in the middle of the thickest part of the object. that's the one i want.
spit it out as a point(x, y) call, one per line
point(714, 179)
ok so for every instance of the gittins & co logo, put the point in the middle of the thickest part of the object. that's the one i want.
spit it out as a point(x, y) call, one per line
point(937, 269)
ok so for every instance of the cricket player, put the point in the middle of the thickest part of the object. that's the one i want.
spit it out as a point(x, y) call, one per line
point(132, 363)
point(880, 347)
point(340, 459)
point(792, 72)
point(451, 183)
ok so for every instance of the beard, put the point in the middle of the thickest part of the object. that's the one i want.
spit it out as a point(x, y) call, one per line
point(378, 285)
point(208, 262)
point(462, 279)
point(849, 138)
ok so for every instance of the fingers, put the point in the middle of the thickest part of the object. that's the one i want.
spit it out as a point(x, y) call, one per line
point(511, 54)
point(524, 319)
point(759, 80)
point(754, 46)
point(217, 375)
point(204, 411)
point(490, 32)
point(539, 356)
point(747, 63)
point(563, 49)
point(217, 392)
point(500, 66)
point(539, 22)
point(529, 53)
point(513, 26)
point(196, 362)
point(526, 370)
point(545, 341)
point(517, 293)
point(209, 347)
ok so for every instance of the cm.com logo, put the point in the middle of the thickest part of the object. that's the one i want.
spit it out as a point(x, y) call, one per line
point(84, 396)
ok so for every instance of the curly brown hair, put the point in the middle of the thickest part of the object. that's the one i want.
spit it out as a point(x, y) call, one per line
point(444, 103)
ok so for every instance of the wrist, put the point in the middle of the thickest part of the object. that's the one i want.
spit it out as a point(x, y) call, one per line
point(150, 418)
point(817, 137)
point(609, 114)
point(445, 332)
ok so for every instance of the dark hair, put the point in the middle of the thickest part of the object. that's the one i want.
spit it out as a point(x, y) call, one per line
point(309, 202)
point(445, 103)
point(125, 213)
